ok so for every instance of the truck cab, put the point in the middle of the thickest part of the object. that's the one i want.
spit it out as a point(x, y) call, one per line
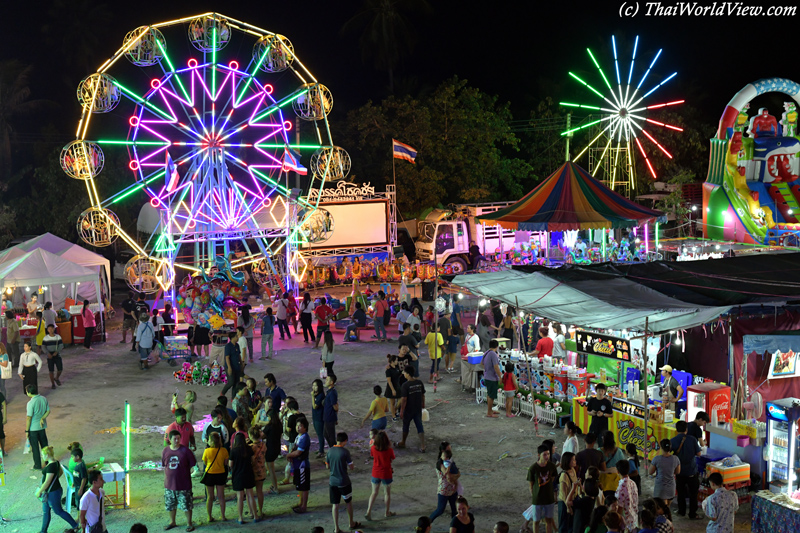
point(447, 233)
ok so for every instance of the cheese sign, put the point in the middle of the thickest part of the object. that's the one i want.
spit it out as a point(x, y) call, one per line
point(593, 343)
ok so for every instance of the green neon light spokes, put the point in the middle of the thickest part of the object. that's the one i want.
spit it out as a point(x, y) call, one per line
point(172, 70)
point(144, 102)
point(595, 91)
point(139, 186)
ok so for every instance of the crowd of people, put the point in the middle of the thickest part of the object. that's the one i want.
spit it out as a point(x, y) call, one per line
point(595, 489)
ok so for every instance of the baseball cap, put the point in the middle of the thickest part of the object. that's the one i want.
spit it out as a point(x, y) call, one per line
point(668, 368)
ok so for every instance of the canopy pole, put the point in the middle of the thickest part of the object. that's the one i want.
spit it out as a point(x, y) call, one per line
point(646, 390)
point(646, 241)
point(731, 362)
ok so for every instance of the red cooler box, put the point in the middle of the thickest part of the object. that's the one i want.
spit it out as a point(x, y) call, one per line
point(577, 384)
point(560, 383)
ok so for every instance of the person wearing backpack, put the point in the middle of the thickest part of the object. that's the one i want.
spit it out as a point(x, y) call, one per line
point(145, 339)
point(139, 307)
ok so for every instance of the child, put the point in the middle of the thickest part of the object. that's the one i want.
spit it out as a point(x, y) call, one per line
point(647, 521)
point(259, 466)
point(452, 353)
point(416, 333)
point(188, 404)
point(509, 388)
point(627, 496)
point(158, 325)
point(428, 320)
point(633, 462)
point(571, 430)
point(80, 474)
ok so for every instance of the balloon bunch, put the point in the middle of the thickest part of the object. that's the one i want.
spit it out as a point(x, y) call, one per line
point(203, 297)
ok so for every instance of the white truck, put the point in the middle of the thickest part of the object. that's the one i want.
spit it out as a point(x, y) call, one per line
point(453, 229)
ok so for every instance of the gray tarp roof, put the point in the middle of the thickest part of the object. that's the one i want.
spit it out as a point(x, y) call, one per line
point(606, 304)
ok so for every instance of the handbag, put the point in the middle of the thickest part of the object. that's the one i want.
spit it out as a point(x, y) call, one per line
point(203, 478)
point(5, 371)
point(98, 526)
point(464, 349)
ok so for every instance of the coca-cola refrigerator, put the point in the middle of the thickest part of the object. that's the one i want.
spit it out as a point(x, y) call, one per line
point(708, 397)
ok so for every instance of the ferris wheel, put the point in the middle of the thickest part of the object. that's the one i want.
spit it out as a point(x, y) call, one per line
point(211, 140)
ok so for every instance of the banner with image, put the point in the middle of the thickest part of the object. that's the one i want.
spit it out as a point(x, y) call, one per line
point(782, 350)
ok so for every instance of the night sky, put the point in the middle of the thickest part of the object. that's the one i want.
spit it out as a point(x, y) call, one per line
point(520, 51)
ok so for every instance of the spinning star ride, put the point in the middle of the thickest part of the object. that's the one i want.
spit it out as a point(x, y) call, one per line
point(208, 143)
point(624, 115)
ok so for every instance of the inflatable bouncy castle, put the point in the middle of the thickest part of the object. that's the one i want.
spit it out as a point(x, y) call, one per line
point(752, 191)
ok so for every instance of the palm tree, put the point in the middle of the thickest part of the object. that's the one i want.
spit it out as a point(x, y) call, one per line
point(14, 108)
point(387, 35)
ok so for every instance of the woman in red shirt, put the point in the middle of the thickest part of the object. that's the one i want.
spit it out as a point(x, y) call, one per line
point(544, 346)
point(382, 457)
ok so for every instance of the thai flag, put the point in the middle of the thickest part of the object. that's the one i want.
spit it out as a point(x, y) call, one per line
point(291, 162)
point(171, 174)
point(403, 151)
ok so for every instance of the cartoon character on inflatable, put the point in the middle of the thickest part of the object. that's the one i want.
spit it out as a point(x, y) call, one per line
point(202, 299)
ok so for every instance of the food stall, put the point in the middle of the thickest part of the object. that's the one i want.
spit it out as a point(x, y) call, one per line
point(628, 424)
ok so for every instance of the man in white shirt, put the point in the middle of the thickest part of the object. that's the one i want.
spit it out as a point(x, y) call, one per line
point(91, 506)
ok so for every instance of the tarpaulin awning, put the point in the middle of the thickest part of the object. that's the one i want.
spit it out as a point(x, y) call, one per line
point(571, 199)
point(606, 304)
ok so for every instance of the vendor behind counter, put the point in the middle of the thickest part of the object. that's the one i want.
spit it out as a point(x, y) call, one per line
point(626, 423)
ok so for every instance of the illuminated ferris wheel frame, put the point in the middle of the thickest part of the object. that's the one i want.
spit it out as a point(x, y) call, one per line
point(186, 140)
point(625, 111)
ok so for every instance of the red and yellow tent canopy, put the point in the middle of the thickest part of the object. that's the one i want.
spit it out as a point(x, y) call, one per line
point(571, 199)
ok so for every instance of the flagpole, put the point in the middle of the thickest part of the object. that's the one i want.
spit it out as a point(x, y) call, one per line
point(394, 176)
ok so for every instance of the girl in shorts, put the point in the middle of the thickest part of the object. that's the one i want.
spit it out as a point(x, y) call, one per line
point(382, 455)
point(509, 388)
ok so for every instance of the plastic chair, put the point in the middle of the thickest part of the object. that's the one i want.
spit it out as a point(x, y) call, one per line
point(70, 488)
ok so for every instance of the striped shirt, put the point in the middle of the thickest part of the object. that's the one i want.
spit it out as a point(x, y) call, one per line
point(53, 343)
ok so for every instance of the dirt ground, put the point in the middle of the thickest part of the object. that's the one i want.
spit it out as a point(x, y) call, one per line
point(89, 406)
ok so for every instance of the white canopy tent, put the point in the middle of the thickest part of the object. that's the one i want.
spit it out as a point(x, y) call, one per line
point(603, 304)
point(23, 275)
point(69, 251)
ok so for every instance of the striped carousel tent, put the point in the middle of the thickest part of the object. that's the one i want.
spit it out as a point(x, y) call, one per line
point(571, 199)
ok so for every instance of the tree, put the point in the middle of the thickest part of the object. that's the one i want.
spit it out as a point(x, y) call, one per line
point(387, 33)
point(15, 107)
point(466, 149)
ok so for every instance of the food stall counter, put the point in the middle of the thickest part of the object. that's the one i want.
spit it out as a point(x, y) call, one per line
point(627, 424)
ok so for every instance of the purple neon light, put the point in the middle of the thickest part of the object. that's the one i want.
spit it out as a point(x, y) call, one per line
point(244, 194)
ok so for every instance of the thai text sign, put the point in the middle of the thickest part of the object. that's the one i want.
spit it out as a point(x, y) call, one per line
point(603, 345)
point(343, 192)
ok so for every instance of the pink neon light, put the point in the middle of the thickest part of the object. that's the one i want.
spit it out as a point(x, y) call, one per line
point(234, 65)
point(133, 165)
point(266, 202)
point(133, 121)
point(155, 84)
point(154, 202)
point(192, 224)
point(665, 105)
point(288, 125)
point(268, 89)
point(192, 63)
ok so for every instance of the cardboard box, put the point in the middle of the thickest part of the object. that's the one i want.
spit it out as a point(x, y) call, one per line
point(730, 474)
